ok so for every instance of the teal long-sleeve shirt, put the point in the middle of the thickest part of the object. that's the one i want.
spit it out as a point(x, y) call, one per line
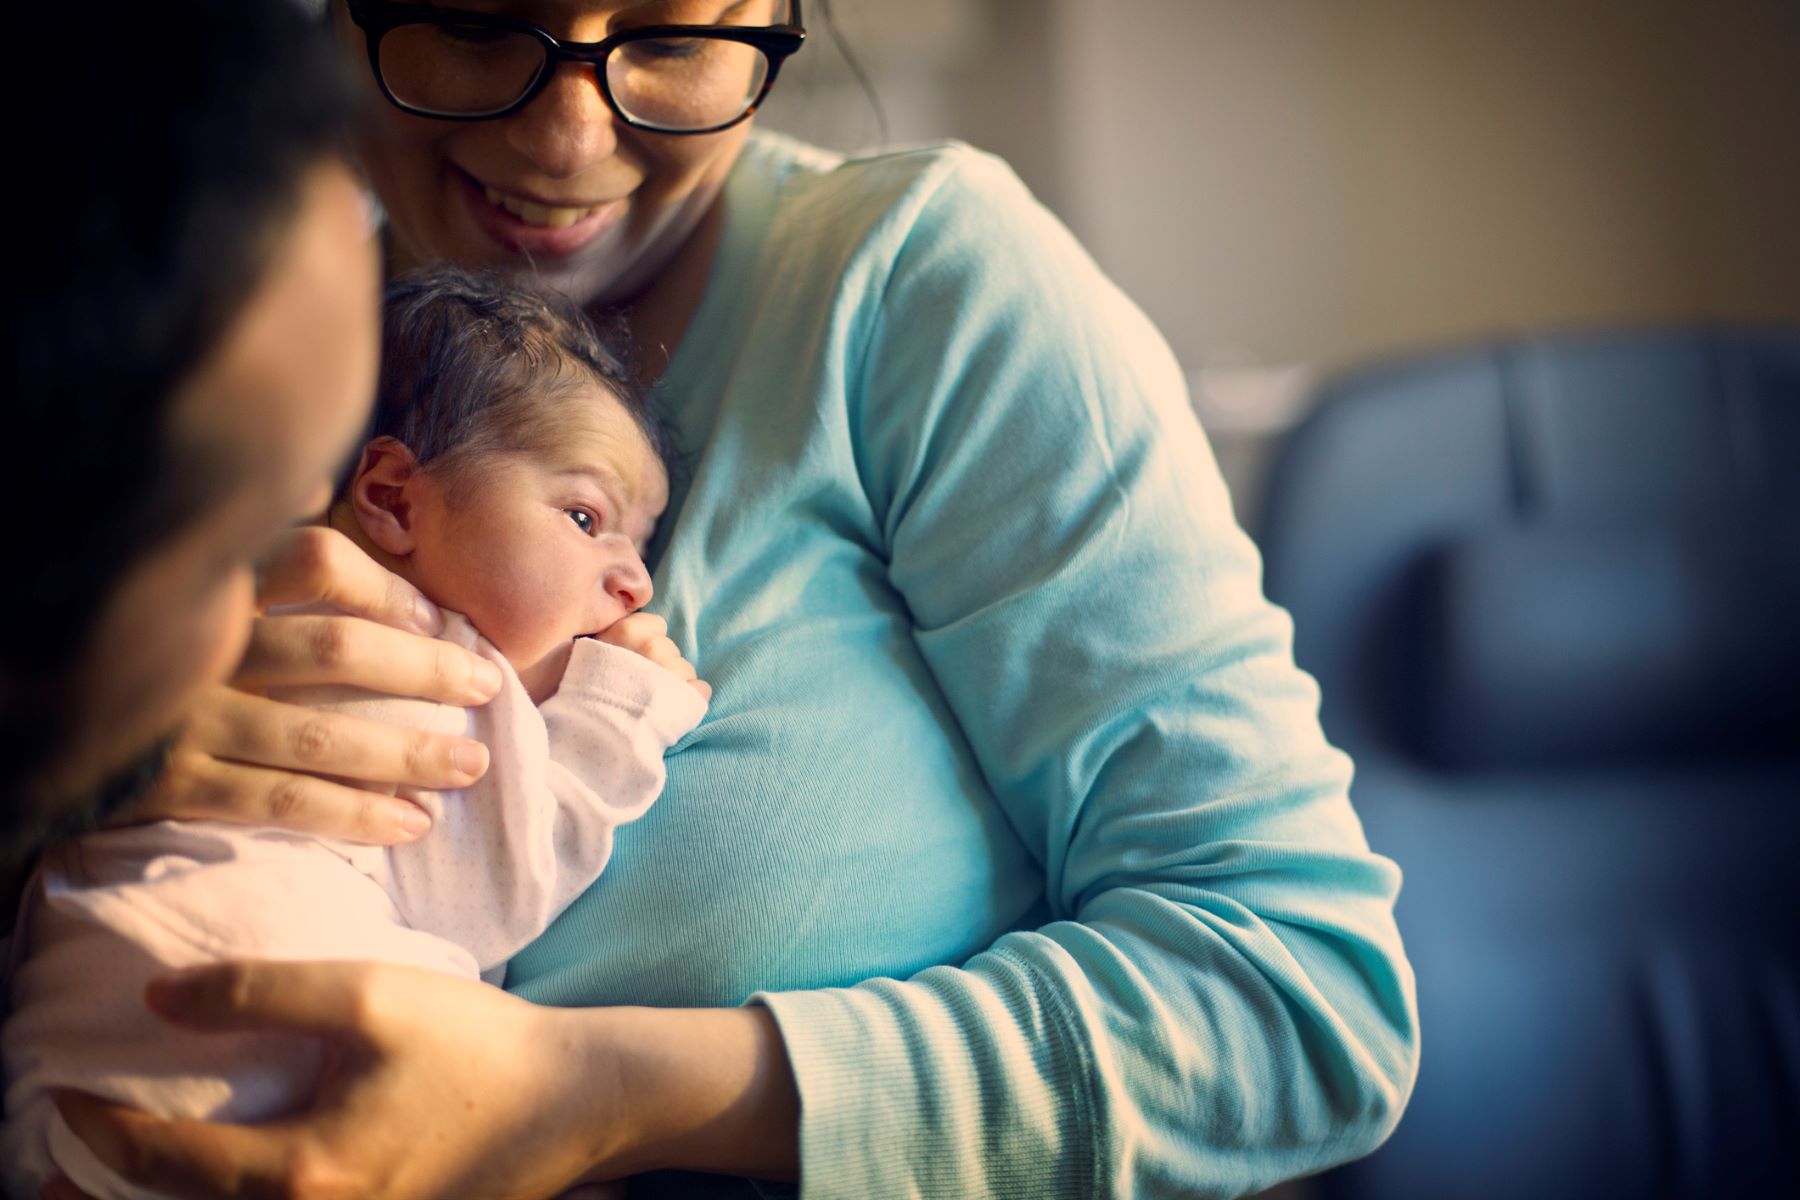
point(1011, 806)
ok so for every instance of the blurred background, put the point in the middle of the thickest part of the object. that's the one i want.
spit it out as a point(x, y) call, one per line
point(1291, 187)
point(1491, 309)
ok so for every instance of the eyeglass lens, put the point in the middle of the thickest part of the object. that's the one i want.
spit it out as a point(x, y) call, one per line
point(667, 83)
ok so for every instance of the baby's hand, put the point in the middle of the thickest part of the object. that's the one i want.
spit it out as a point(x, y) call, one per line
point(647, 634)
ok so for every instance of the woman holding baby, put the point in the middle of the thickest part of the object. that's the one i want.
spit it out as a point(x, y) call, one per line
point(1010, 859)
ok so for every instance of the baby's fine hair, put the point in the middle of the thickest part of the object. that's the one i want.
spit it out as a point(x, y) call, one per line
point(474, 363)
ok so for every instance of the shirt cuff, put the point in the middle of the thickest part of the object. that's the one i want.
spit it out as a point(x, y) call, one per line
point(599, 672)
point(856, 1090)
point(892, 1102)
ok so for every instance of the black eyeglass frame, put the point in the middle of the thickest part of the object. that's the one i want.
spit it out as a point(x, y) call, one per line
point(376, 18)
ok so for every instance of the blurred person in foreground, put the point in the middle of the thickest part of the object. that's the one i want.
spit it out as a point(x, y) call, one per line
point(194, 328)
point(194, 331)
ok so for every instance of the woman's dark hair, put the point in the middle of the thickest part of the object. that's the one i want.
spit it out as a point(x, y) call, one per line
point(474, 363)
point(169, 166)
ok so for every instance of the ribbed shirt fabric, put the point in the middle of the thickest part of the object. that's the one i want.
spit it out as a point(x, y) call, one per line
point(1011, 805)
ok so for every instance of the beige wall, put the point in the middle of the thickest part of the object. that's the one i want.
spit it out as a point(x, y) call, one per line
point(1322, 181)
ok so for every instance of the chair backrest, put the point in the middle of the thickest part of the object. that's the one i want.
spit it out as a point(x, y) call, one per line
point(1550, 589)
point(1580, 548)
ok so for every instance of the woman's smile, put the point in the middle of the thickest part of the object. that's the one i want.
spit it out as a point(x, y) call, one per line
point(524, 224)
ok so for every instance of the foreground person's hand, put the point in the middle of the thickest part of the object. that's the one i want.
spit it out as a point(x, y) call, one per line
point(433, 1087)
point(243, 757)
point(438, 1088)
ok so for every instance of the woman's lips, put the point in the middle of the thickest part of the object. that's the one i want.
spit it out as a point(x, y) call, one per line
point(553, 232)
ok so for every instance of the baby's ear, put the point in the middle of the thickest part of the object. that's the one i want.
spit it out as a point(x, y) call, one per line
point(380, 494)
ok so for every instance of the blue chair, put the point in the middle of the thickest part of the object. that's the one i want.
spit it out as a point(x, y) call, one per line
point(1551, 591)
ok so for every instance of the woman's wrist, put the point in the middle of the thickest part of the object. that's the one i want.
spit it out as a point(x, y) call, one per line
point(689, 1089)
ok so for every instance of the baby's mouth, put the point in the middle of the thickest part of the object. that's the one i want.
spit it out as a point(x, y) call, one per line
point(545, 216)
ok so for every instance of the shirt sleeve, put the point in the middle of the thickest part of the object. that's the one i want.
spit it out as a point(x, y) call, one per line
point(506, 855)
point(1221, 1000)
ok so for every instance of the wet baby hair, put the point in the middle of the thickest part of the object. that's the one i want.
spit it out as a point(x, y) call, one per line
point(474, 363)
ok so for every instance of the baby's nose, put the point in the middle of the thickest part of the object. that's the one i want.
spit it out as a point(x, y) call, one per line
point(629, 584)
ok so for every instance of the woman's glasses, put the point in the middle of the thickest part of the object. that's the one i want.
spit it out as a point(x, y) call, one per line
point(464, 66)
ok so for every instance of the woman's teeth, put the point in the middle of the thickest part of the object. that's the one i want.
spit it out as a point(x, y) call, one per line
point(540, 214)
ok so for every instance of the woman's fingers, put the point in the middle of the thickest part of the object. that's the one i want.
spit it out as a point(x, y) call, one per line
point(197, 786)
point(288, 651)
point(184, 1158)
point(326, 998)
point(433, 1088)
point(247, 759)
point(252, 729)
point(393, 651)
point(314, 564)
point(204, 1160)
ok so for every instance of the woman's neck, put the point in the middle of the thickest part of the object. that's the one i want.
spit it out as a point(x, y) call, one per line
point(660, 315)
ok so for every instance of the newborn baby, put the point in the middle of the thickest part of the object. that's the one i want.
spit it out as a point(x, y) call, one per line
point(515, 479)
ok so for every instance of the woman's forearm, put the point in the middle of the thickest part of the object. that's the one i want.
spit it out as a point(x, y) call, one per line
point(442, 1087)
point(690, 1089)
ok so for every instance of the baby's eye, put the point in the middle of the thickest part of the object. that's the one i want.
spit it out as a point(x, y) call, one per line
point(584, 520)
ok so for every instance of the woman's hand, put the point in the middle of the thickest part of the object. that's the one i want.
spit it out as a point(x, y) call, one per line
point(443, 1088)
point(433, 1087)
point(243, 757)
point(647, 634)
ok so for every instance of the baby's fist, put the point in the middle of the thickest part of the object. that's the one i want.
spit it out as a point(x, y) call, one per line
point(647, 635)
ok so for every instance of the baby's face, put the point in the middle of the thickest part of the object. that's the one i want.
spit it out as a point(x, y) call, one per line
point(538, 549)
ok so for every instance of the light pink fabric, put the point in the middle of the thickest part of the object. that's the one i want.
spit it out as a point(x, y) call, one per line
point(110, 911)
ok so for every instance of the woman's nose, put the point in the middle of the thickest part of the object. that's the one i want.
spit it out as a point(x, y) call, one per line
point(568, 127)
point(629, 585)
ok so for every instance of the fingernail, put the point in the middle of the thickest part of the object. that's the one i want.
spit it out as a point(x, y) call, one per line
point(427, 616)
point(486, 679)
point(412, 821)
point(471, 759)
